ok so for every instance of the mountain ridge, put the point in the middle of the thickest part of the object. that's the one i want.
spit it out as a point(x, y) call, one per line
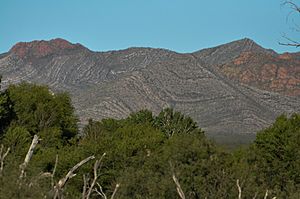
point(243, 40)
point(209, 85)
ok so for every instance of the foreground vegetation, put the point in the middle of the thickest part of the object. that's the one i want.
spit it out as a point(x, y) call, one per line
point(142, 156)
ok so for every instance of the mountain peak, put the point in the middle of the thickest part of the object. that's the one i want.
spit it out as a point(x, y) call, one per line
point(41, 48)
point(226, 52)
point(246, 39)
point(248, 44)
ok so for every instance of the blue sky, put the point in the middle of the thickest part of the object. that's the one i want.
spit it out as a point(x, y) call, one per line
point(179, 25)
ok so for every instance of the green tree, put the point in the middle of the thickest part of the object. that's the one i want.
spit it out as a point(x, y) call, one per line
point(141, 117)
point(171, 122)
point(6, 113)
point(37, 109)
point(277, 153)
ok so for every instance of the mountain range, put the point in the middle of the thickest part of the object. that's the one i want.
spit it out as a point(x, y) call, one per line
point(233, 89)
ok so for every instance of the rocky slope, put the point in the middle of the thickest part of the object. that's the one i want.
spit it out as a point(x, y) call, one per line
point(248, 63)
point(234, 88)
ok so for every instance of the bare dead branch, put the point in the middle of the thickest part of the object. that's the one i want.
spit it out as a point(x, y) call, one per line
point(178, 187)
point(239, 188)
point(41, 176)
point(96, 167)
point(91, 188)
point(255, 195)
point(115, 191)
point(292, 5)
point(29, 154)
point(61, 183)
point(266, 195)
point(2, 157)
point(101, 193)
point(54, 170)
point(290, 42)
point(84, 187)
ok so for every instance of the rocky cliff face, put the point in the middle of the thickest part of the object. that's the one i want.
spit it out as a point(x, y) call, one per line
point(238, 87)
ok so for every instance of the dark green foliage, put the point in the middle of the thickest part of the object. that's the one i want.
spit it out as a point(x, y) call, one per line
point(65, 116)
point(30, 109)
point(141, 117)
point(17, 138)
point(143, 152)
point(37, 109)
point(6, 112)
point(171, 123)
point(277, 153)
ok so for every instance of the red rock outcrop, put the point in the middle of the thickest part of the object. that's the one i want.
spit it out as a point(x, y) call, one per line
point(38, 49)
point(277, 73)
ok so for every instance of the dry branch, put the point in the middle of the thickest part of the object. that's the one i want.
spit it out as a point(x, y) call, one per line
point(289, 41)
point(292, 5)
point(239, 188)
point(255, 196)
point(84, 187)
point(178, 187)
point(96, 167)
point(101, 193)
point(62, 182)
point(115, 191)
point(36, 179)
point(2, 157)
point(91, 187)
point(29, 154)
point(54, 170)
point(266, 195)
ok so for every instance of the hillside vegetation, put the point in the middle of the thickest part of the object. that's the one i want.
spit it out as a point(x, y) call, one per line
point(141, 156)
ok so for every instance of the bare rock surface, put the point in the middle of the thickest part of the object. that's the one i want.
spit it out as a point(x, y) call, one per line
point(234, 88)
